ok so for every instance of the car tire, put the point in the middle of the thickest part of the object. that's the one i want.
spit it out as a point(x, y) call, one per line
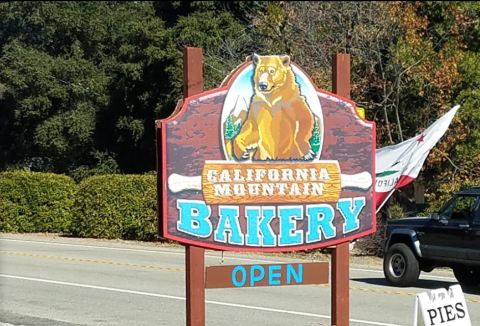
point(467, 276)
point(400, 266)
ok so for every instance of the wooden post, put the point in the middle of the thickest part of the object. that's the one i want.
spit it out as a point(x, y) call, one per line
point(341, 253)
point(194, 256)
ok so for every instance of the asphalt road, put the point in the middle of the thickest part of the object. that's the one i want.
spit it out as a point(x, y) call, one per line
point(64, 282)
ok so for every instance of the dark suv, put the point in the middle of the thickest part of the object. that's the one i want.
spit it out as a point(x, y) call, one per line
point(449, 238)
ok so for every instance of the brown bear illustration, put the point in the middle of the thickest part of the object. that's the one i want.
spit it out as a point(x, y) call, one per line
point(279, 124)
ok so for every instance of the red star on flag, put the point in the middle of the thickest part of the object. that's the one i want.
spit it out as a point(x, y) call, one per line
point(420, 140)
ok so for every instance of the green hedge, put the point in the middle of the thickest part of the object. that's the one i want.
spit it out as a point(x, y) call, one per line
point(108, 206)
point(35, 202)
point(116, 207)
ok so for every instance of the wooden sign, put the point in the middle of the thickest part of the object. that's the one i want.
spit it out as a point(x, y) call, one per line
point(234, 276)
point(267, 163)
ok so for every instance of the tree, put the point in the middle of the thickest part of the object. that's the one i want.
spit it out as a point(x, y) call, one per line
point(411, 61)
point(229, 130)
point(315, 140)
point(82, 79)
point(439, 48)
point(215, 26)
point(311, 31)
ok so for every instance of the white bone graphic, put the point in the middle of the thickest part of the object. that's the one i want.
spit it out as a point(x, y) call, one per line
point(178, 183)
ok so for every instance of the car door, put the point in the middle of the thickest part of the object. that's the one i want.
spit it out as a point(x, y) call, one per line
point(448, 236)
point(473, 252)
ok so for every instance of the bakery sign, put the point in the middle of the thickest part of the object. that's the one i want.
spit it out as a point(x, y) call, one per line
point(267, 162)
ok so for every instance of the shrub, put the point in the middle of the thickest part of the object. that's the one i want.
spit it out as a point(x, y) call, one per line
point(396, 211)
point(35, 202)
point(116, 207)
point(370, 244)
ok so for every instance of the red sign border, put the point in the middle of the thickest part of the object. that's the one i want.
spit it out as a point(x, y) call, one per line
point(213, 246)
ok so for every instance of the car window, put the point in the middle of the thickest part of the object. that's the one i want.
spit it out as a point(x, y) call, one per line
point(461, 208)
point(477, 212)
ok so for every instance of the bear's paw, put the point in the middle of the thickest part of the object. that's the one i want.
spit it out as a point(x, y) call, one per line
point(309, 156)
point(246, 155)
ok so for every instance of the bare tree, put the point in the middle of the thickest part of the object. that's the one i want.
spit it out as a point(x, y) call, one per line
point(311, 31)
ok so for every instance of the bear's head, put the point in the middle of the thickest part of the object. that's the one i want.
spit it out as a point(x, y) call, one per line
point(271, 72)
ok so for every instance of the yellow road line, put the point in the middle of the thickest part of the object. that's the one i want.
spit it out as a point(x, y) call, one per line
point(382, 291)
point(183, 270)
point(92, 261)
point(390, 292)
